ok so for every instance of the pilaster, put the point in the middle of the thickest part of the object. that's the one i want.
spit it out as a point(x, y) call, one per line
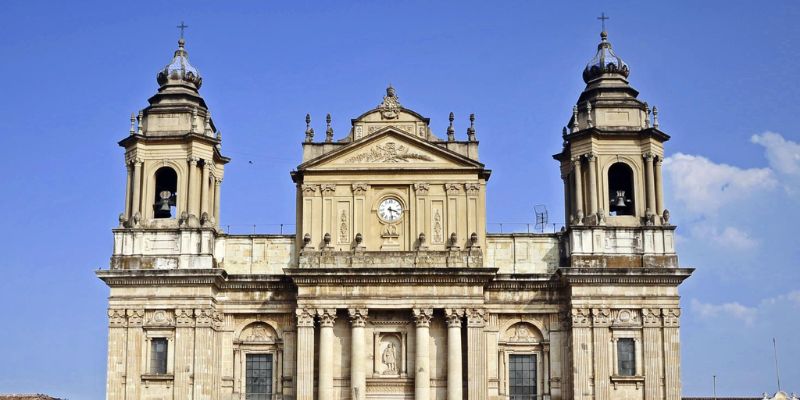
point(601, 321)
point(672, 353)
point(578, 177)
point(476, 354)
point(184, 352)
point(358, 369)
point(581, 353)
point(422, 375)
point(134, 352)
point(204, 362)
point(305, 354)
point(117, 338)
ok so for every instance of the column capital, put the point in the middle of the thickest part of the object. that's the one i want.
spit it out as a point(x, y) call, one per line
point(476, 317)
point(204, 317)
point(309, 190)
point(359, 189)
point(305, 317)
point(358, 317)
point(651, 317)
point(659, 160)
point(648, 156)
point(327, 316)
point(453, 317)
point(193, 160)
point(328, 189)
point(116, 318)
point(576, 160)
point(135, 317)
point(671, 317)
point(421, 188)
point(580, 317)
point(422, 316)
point(591, 157)
point(184, 317)
point(601, 317)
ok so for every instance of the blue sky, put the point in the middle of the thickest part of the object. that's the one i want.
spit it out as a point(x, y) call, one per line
point(722, 73)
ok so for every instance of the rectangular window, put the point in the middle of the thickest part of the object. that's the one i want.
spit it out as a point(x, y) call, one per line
point(158, 356)
point(626, 354)
point(258, 377)
point(522, 376)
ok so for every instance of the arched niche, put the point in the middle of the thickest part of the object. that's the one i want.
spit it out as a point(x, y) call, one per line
point(621, 189)
point(165, 193)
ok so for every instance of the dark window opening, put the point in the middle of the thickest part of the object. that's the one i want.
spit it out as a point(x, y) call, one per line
point(620, 189)
point(166, 193)
point(158, 356)
point(626, 356)
point(522, 376)
point(258, 377)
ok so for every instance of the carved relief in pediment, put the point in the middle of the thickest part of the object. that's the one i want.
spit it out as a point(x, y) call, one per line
point(389, 152)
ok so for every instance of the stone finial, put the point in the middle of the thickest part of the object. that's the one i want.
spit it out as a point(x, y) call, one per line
point(471, 129)
point(133, 124)
point(309, 129)
point(646, 115)
point(139, 121)
point(473, 240)
point(451, 132)
point(564, 133)
point(327, 239)
point(328, 130)
point(306, 239)
point(589, 121)
point(655, 117)
point(452, 243)
point(574, 118)
point(207, 124)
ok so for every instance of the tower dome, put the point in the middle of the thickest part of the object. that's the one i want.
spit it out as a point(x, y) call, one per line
point(605, 61)
point(179, 70)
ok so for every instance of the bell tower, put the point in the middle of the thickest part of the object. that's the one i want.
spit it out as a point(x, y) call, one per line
point(611, 168)
point(613, 149)
point(172, 154)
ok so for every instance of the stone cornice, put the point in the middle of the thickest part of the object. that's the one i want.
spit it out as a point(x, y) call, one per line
point(193, 277)
point(505, 282)
point(624, 276)
point(338, 276)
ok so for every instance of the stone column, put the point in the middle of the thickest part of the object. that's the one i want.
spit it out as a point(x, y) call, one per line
point(592, 183)
point(476, 354)
point(556, 356)
point(601, 321)
point(567, 211)
point(651, 335)
point(659, 187)
point(581, 353)
point(358, 357)
point(128, 180)
point(184, 352)
point(204, 346)
point(134, 353)
point(651, 189)
point(576, 173)
point(305, 355)
point(191, 197)
point(204, 188)
point(454, 378)
point(422, 375)
point(117, 337)
point(326, 320)
point(217, 185)
point(137, 187)
point(672, 353)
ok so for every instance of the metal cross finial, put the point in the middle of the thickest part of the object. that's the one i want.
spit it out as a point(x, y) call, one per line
point(603, 19)
point(182, 26)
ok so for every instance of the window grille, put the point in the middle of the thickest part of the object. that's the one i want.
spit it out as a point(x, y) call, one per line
point(258, 377)
point(522, 376)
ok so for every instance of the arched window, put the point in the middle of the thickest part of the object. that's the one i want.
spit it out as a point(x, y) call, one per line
point(166, 193)
point(620, 190)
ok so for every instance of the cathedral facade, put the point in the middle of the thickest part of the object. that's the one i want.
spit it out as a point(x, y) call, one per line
point(391, 287)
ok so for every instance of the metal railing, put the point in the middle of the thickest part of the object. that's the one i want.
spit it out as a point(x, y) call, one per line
point(523, 227)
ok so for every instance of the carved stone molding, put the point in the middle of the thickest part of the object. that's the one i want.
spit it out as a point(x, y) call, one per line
point(626, 317)
point(421, 188)
point(328, 189)
point(472, 188)
point(453, 317)
point(590, 157)
point(651, 317)
point(580, 317)
point(160, 318)
point(116, 318)
point(422, 316)
point(601, 317)
point(648, 156)
point(358, 316)
point(327, 316)
point(476, 317)
point(304, 317)
point(359, 189)
point(135, 317)
point(389, 152)
point(193, 160)
point(309, 190)
point(452, 188)
point(184, 317)
point(671, 316)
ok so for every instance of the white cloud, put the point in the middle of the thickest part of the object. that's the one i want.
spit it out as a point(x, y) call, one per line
point(783, 155)
point(729, 238)
point(791, 298)
point(732, 310)
point(703, 187)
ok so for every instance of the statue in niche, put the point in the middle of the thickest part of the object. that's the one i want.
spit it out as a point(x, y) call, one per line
point(389, 358)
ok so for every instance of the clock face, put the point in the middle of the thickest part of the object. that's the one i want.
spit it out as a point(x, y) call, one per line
point(390, 210)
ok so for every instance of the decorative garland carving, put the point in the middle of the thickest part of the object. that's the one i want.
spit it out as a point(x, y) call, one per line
point(421, 188)
point(388, 153)
point(135, 317)
point(308, 190)
point(452, 188)
point(671, 316)
point(580, 317)
point(601, 317)
point(472, 188)
point(184, 317)
point(116, 318)
point(328, 189)
point(651, 317)
point(359, 189)
point(344, 228)
point(437, 228)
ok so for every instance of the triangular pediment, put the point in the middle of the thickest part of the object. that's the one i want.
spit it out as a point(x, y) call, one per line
point(391, 147)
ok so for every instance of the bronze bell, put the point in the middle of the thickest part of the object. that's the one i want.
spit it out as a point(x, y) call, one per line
point(163, 205)
point(620, 200)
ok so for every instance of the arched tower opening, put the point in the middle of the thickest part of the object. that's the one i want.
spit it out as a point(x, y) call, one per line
point(620, 189)
point(166, 193)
